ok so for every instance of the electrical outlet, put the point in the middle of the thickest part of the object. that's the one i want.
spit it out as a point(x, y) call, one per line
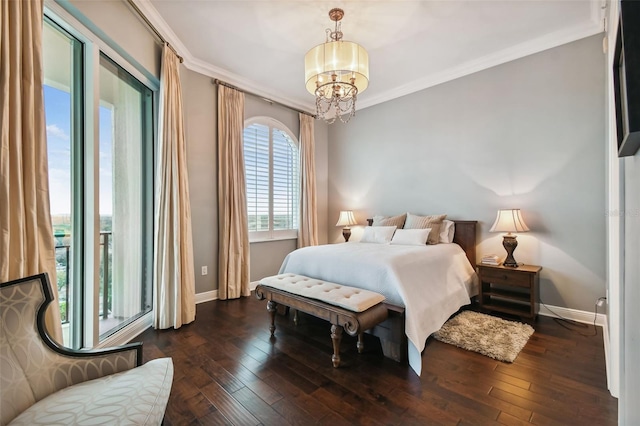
point(204, 270)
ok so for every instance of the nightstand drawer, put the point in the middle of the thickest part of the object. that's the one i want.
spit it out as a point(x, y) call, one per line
point(497, 276)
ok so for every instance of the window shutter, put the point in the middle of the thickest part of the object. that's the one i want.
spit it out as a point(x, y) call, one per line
point(256, 160)
point(285, 182)
point(273, 178)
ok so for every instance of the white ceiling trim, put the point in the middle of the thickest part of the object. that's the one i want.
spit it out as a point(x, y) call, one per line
point(531, 47)
point(208, 69)
point(245, 84)
point(151, 13)
point(540, 44)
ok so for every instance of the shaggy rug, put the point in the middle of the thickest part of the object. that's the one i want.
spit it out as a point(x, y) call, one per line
point(494, 337)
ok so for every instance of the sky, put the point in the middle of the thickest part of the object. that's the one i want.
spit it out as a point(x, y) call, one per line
point(57, 105)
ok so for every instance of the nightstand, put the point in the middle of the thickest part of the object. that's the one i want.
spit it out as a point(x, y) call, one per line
point(510, 290)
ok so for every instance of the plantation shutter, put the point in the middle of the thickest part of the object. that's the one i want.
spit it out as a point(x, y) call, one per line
point(285, 182)
point(256, 160)
point(272, 177)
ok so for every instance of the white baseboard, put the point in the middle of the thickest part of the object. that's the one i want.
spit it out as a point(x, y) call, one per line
point(207, 296)
point(572, 314)
point(607, 355)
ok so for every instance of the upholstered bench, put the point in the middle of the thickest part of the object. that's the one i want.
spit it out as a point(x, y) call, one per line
point(348, 309)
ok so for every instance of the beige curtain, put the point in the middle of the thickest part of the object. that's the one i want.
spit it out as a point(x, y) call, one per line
point(174, 299)
point(233, 228)
point(26, 235)
point(308, 232)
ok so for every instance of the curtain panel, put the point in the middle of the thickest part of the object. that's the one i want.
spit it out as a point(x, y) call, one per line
point(308, 232)
point(233, 228)
point(174, 275)
point(27, 245)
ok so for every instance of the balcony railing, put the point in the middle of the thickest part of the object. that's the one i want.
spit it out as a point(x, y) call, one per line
point(63, 267)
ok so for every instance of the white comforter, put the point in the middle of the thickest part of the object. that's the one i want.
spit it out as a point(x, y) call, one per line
point(432, 282)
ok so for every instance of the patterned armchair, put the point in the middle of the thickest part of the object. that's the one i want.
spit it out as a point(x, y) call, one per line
point(44, 383)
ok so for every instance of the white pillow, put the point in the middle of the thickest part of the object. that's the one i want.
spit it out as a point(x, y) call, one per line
point(447, 229)
point(411, 237)
point(377, 234)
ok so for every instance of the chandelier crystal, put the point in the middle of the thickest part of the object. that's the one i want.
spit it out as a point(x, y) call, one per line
point(335, 73)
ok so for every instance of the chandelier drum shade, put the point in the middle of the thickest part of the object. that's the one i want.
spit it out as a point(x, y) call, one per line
point(335, 73)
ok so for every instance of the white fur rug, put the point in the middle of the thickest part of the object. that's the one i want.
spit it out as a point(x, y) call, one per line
point(494, 337)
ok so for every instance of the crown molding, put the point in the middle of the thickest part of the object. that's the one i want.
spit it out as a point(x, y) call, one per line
point(245, 84)
point(152, 14)
point(208, 69)
point(522, 50)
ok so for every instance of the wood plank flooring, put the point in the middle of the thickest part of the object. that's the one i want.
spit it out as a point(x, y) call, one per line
point(229, 371)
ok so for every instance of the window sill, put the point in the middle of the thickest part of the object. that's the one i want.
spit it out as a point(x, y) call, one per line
point(270, 239)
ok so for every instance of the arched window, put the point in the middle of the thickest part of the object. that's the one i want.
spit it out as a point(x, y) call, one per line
point(272, 173)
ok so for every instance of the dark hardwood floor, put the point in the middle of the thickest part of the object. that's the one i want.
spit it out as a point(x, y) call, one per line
point(229, 371)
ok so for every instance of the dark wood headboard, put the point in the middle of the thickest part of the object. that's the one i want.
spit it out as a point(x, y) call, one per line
point(464, 236)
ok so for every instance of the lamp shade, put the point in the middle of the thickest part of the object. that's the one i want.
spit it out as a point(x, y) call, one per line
point(346, 218)
point(345, 59)
point(509, 220)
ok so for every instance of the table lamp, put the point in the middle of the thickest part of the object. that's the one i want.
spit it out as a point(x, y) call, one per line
point(346, 219)
point(509, 220)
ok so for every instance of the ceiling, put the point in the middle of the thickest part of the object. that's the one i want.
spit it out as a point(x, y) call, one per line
point(260, 45)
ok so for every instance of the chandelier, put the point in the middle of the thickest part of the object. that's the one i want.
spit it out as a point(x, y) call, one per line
point(335, 72)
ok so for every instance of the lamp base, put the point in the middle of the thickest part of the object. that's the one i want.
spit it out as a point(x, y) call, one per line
point(509, 242)
point(346, 233)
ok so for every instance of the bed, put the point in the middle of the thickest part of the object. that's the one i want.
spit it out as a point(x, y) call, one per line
point(423, 285)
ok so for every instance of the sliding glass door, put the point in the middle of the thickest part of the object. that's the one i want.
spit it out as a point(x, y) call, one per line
point(62, 54)
point(125, 202)
point(100, 146)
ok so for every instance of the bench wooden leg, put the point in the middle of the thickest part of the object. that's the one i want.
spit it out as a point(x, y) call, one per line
point(336, 337)
point(272, 307)
point(360, 344)
point(295, 316)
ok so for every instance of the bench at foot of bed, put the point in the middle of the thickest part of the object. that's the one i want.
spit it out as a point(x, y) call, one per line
point(347, 308)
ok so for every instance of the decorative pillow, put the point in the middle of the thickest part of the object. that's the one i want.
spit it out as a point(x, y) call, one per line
point(397, 221)
point(411, 237)
point(447, 229)
point(377, 234)
point(422, 222)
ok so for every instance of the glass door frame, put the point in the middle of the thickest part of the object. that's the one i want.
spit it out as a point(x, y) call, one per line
point(87, 257)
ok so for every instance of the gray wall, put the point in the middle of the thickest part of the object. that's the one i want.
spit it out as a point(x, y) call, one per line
point(527, 134)
point(111, 18)
point(201, 121)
